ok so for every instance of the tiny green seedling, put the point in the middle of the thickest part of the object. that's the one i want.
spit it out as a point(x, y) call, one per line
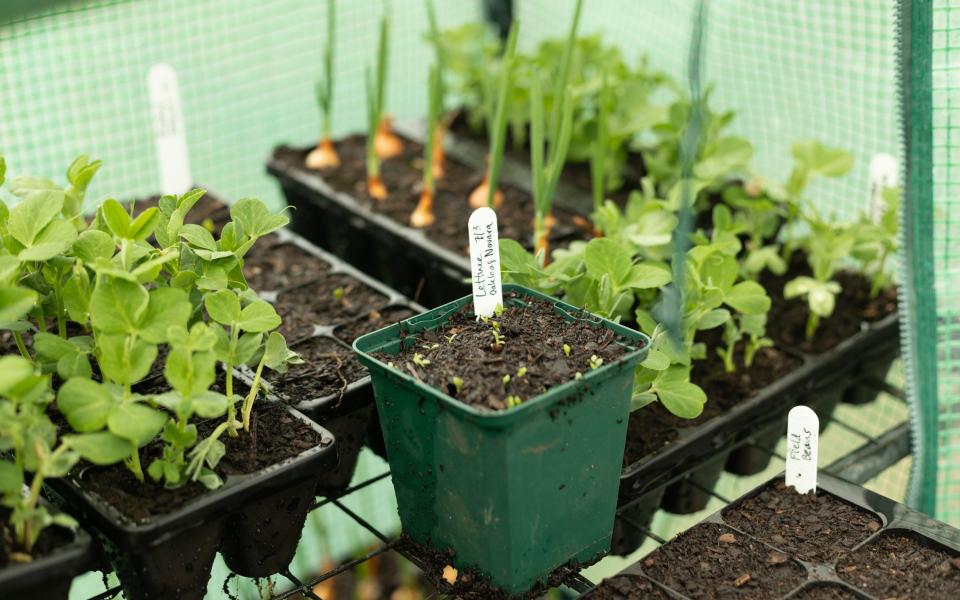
point(419, 360)
point(522, 372)
point(595, 362)
point(457, 384)
point(567, 350)
point(506, 379)
point(513, 400)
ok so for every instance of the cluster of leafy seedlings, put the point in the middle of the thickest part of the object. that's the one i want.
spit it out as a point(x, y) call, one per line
point(123, 290)
point(586, 66)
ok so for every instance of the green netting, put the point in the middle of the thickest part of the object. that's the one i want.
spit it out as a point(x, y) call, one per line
point(73, 79)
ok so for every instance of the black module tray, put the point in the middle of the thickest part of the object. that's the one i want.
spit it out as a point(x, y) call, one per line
point(49, 576)
point(347, 410)
point(837, 571)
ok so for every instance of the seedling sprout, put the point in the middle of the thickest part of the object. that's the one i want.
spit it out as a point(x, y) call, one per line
point(325, 156)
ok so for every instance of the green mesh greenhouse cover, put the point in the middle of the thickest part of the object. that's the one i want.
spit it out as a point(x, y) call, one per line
point(73, 79)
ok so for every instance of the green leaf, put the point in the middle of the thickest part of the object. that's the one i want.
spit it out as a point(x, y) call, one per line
point(74, 365)
point(52, 347)
point(11, 478)
point(136, 422)
point(656, 360)
point(259, 316)
point(210, 405)
point(93, 244)
point(33, 214)
point(605, 256)
point(15, 302)
point(223, 306)
point(14, 370)
point(190, 373)
point(276, 354)
point(123, 366)
point(748, 297)
point(713, 318)
point(144, 224)
point(646, 276)
point(682, 398)
point(56, 238)
point(167, 307)
point(116, 218)
point(829, 162)
point(85, 403)
point(118, 305)
point(255, 218)
point(199, 237)
point(100, 448)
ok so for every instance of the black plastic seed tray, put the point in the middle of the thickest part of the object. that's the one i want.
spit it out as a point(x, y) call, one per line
point(858, 563)
point(347, 410)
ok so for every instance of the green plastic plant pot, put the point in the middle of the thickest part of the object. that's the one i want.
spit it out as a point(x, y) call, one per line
point(515, 493)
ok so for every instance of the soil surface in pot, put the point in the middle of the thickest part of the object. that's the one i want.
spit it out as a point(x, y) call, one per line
point(898, 565)
point(51, 539)
point(713, 561)
point(328, 368)
point(402, 177)
point(330, 300)
point(653, 427)
point(533, 339)
point(272, 268)
point(626, 587)
point(469, 584)
point(813, 527)
point(787, 320)
point(274, 436)
point(825, 592)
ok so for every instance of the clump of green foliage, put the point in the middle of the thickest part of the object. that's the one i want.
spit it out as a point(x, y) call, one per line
point(121, 288)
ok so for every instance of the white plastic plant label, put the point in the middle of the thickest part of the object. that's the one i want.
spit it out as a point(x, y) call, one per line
point(884, 173)
point(803, 433)
point(168, 130)
point(485, 261)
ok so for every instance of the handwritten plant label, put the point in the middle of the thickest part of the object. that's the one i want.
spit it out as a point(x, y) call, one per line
point(884, 173)
point(168, 130)
point(803, 432)
point(485, 261)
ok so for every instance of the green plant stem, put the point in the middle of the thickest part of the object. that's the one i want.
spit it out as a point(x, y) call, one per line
point(58, 300)
point(254, 389)
point(135, 463)
point(21, 345)
point(813, 322)
point(499, 132)
point(728, 364)
point(231, 408)
point(23, 532)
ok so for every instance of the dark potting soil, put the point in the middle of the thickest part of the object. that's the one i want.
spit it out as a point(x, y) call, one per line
point(825, 591)
point(469, 584)
point(813, 527)
point(372, 321)
point(402, 177)
point(332, 300)
point(271, 268)
point(274, 436)
point(713, 561)
point(534, 337)
point(626, 587)
point(327, 369)
point(51, 539)
point(653, 427)
point(898, 565)
point(787, 319)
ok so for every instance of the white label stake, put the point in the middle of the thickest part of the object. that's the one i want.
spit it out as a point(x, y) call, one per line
point(168, 129)
point(884, 173)
point(485, 261)
point(803, 432)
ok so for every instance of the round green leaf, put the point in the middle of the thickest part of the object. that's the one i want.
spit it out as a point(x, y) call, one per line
point(100, 448)
point(136, 422)
point(85, 403)
point(223, 306)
